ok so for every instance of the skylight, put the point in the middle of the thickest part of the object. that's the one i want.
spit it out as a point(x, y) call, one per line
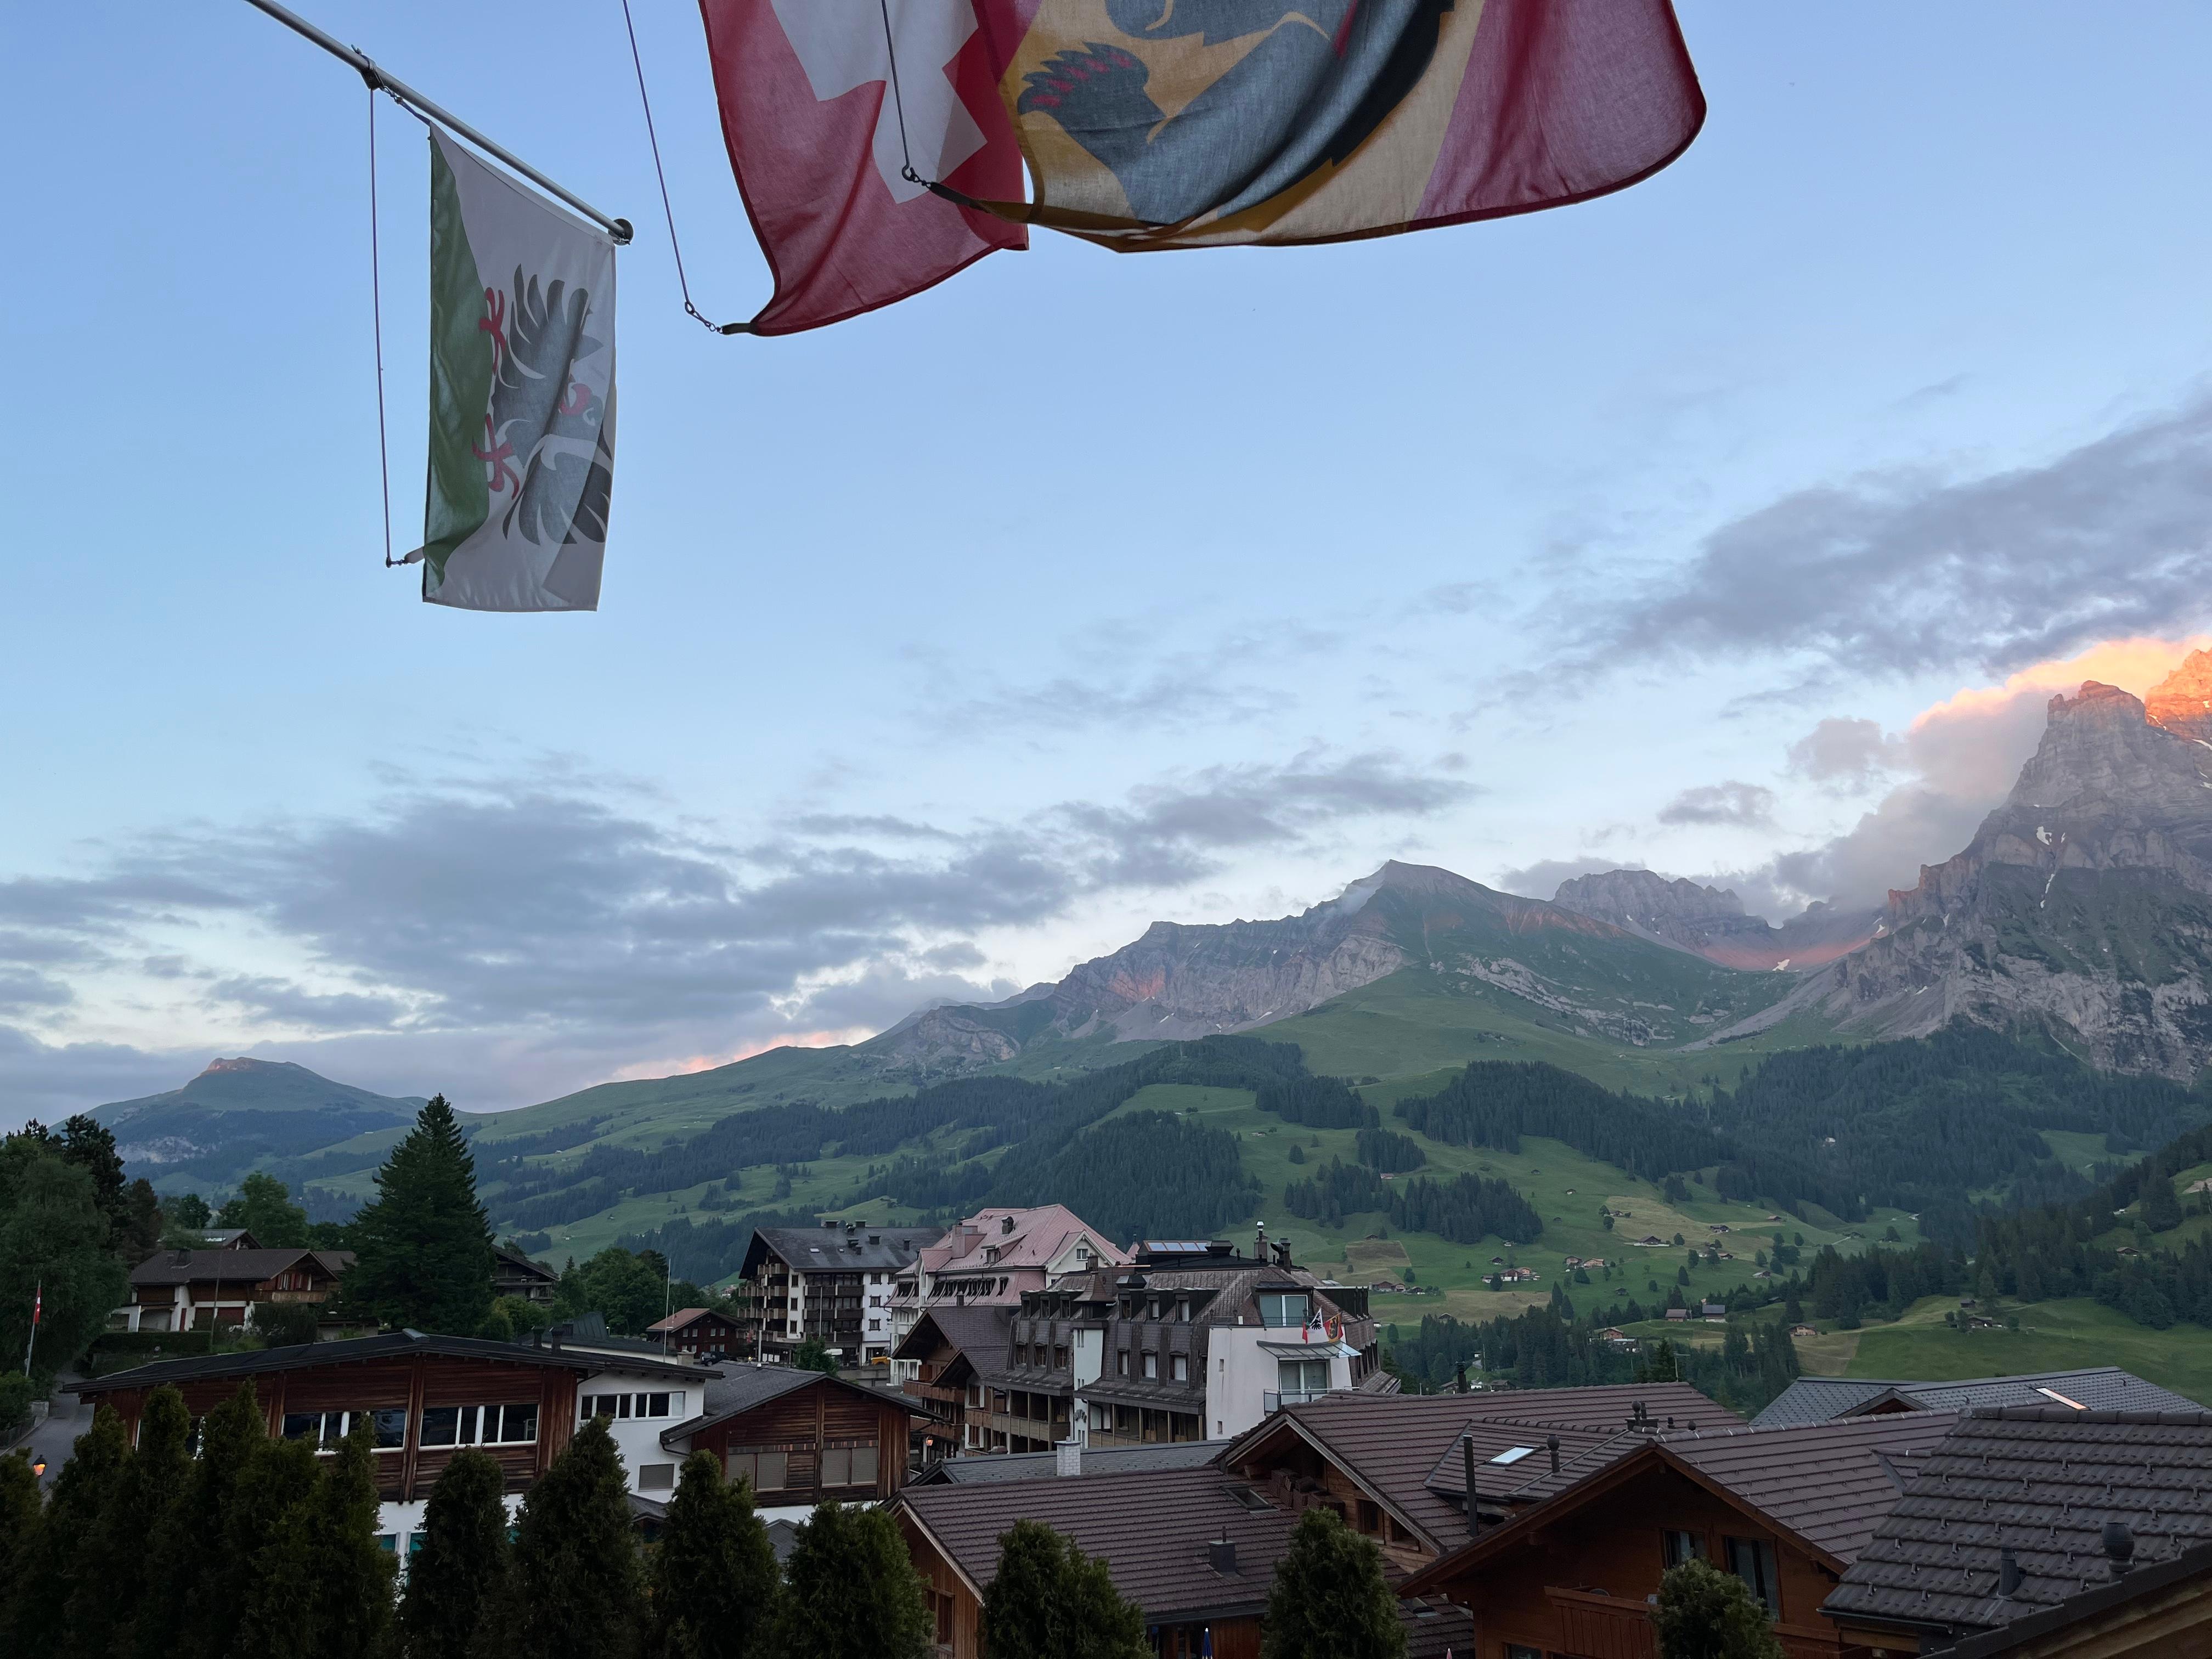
point(1513, 1454)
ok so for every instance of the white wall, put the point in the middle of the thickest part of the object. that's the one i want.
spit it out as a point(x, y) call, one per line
point(638, 1438)
point(1241, 1373)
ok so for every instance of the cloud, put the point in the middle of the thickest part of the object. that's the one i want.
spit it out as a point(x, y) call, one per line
point(1906, 572)
point(1850, 755)
point(49, 1081)
point(1749, 804)
point(535, 932)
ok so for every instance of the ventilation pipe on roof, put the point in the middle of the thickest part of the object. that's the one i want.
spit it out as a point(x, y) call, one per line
point(2120, 1547)
point(2008, 1573)
point(1552, 1445)
point(1006, 1223)
point(1467, 1467)
point(1221, 1554)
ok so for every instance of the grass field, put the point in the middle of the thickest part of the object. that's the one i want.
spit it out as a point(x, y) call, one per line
point(2052, 1336)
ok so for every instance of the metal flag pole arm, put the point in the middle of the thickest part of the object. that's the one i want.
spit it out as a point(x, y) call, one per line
point(619, 229)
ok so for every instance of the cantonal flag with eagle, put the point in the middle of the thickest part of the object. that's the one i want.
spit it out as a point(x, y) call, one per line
point(522, 395)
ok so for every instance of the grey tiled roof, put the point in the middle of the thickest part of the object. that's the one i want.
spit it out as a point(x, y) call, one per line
point(313, 1355)
point(834, 1250)
point(2041, 1482)
point(2100, 1388)
point(741, 1386)
point(1045, 1466)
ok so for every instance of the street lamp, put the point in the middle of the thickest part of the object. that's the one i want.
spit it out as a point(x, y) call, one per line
point(37, 1468)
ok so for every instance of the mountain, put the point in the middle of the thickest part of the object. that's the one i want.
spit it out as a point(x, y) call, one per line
point(238, 1112)
point(2083, 904)
point(1179, 980)
point(1708, 922)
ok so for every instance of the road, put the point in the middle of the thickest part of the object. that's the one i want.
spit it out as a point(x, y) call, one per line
point(54, 1438)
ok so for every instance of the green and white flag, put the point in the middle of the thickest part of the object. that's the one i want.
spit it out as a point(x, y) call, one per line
point(522, 395)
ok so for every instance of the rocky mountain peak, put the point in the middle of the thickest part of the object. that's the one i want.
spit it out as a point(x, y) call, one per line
point(2181, 701)
point(1646, 895)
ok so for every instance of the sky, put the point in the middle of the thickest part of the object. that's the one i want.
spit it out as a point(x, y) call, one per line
point(1737, 525)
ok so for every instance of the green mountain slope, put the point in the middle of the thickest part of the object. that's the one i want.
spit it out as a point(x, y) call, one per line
point(239, 1113)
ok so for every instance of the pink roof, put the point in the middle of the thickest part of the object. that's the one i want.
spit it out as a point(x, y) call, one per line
point(1036, 1238)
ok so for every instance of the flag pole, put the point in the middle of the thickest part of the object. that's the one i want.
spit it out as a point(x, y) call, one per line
point(38, 1307)
point(619, 229)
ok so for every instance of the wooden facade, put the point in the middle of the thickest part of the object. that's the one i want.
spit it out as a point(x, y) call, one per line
point(409, 1385)
point(831, 1442)
point(701, 1332)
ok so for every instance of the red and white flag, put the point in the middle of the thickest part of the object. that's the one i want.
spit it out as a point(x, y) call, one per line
point(821, 147)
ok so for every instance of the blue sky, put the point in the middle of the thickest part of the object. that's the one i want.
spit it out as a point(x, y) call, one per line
point(944, 648)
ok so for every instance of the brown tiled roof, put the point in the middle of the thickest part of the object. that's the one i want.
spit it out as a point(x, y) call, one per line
point(2041, 1481)
point(233, 1267)
point(980, 1332)
point(1152, 1528)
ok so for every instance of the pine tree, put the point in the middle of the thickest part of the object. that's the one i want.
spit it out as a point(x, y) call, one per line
point(1706, 1613)
point(179, 1616)
point(575, 1591)
point(83, 1492)
point(715, 1582)
point(21, 1516)
point(851, 1590)
point(1050, 1601)
point(461, 1568)
point(261, 1572)
point(113, 1587)
point(351, 1573)
point(1330, 1600)
point(422, 1248)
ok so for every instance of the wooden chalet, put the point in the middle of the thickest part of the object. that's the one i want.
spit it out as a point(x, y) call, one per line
point(427, 1396)
point(700, 1333)
point(961, 1379)
point(801, 1438)
point(1570, 1570)
point(513, 1274)
point(1195, 1547)
point(199, 1289)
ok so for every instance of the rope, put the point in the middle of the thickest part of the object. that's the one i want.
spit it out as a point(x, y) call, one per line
point(898, 102)
point(376, 310)
point(667, 211)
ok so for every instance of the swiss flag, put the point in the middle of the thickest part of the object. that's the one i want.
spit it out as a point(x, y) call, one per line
point(815, 137)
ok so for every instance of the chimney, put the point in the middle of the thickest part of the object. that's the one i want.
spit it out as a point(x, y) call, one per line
point(181, 1258)
point(1221, 1554)
point(2120, 1547)
point(1552, 1445)
point(1466, 1463)
point(1006, 1223)
point(1069, 1457)
point(1462, 1379)
point(2008, 1573)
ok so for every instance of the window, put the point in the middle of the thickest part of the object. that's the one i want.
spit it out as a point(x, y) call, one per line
point(848, 1466)
point(1520, 1651)
point(1677, 1547)
point(769, 1471)
point(656, 1477)
point(1370, 1516)
point(1060, 1359)
point(1283, 1311)
point(1151, 1365)
point(619, 1405)
point(328, 1428)
point(1301, 1376)
point(1121, 1363)
point(1752, 1560)
point(1179, 1367)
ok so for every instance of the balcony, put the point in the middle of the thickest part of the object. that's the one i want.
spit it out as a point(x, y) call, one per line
point(1275, 1399)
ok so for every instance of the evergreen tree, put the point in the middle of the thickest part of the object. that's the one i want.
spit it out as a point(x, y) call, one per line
point(1706, 1613)
point(575, 1588)
point(1330, 1600)
point(55, 1245)
point(21, 1514)
point(461, 1568)
point(113, 1586)
point(851, 1590)
point(422, 1248)
point(714, 1577)
point(262, 1570)
point(174, 1611)
point(84, 1493)
point(348, 1574)
point(1050, 1601)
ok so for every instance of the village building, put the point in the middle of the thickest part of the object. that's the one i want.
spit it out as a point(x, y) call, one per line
point(955, 1362)
point(203, 1289)
point(1825, 1399)
point(1786, 1510)
point(427, 1397)
point(2162, 1612)
point(2024, 1509)
point(997, 1257)
point(699, 1334)
point(801, 1438)
point(831, 1286)
point(513, 1274)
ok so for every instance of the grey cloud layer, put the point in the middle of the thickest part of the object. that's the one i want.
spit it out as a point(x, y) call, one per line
point(1907, 574)
point(561, 916)
point(1747, 804)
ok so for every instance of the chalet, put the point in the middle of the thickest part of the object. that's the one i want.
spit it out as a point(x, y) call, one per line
point(513, 1274)
point(2082, 1500)
point(801, 1438)
point(1717, 1226)
point(1713, 1311)
point(831, 1285)
point(1804, 1330)
point(955, 1362)
point(1650, 1239)
point(1519, 1275)
point(1195, 1548)
point(588, 1333)
point(1827, 1398)
point(998, 1256)
point(699, 1333)
point(197, 1290)
point(428, 1396)
point(1678, 1313)
point(1786, 1511)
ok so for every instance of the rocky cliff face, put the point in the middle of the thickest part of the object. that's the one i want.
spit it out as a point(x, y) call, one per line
point(2083, 903)
point(2182, 703)
point(1180, 980)
point(1709, 922)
